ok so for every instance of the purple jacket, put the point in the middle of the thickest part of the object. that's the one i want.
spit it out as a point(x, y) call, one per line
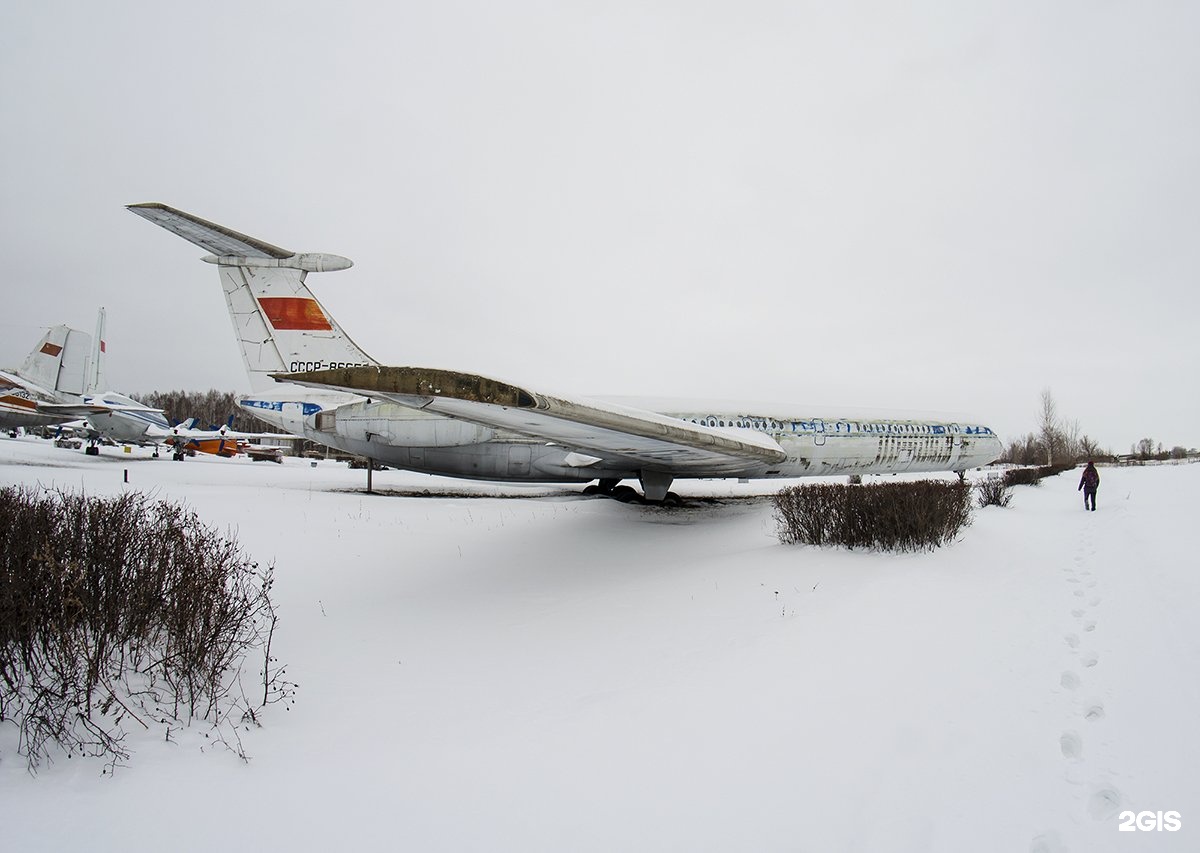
point(1090, 479)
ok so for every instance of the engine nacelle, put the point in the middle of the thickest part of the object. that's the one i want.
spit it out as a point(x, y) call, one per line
point(399, 426)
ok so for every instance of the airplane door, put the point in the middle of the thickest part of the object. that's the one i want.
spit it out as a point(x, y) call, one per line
point(518, 460)
point(819, 432)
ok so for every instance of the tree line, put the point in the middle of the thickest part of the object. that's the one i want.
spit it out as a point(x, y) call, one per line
point(211, 408)
point(1059, 440)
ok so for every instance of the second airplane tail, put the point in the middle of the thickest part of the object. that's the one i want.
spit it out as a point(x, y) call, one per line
point(59, 361)
point(279, 324)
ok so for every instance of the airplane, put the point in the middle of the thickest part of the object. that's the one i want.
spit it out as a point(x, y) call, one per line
point(53, 371)
point(123, 420)
point(307, 376)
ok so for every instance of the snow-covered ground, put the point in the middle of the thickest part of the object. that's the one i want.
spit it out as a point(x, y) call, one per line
point(501, 668)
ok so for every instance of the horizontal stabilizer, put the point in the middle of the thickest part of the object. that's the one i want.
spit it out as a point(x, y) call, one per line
point(216, 238)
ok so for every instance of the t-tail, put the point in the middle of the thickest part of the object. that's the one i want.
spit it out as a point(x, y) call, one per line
point(279, 325)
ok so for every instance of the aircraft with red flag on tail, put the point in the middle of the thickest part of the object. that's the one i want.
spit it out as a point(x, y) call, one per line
point(307, 376)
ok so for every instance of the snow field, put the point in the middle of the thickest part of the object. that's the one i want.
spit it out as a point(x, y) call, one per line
point(526, 669)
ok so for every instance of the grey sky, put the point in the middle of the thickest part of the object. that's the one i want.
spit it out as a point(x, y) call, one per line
point(937, 206)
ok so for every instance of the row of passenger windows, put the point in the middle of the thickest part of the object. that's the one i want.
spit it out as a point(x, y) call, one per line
point(835, 427)
point(760, 425)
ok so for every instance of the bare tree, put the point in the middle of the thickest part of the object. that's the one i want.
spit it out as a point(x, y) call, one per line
point(1051, 432)
point(1072, 444)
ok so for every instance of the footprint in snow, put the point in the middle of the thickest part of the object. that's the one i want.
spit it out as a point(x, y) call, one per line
point(1105, 803)
point(1072, 640)
point(1047, 842)
point(1090, 626)
point(1071, 744)
point(1089, 659)
point(1095, 712)
point(1070, 680)
point(1079, 593)
point(1077, 612)
point(1095, 600)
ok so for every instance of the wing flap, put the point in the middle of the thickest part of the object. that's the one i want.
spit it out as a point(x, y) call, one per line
point(608, 431)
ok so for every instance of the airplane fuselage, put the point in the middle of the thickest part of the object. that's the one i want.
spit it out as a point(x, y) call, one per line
point(128, 425)
point(815, 444)
point(18, 403)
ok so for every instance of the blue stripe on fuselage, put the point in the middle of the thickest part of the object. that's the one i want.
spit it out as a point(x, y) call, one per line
point(306, 408)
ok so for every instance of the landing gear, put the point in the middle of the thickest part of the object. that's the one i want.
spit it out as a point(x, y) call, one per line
point(177, 454)
point(625, 494)
point(604, 486)
point(655, 487)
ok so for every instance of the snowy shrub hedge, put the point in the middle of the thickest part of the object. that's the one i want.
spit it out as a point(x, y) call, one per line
point(1022, 477)
point(914, 516)
point(124, 614)
point(1034, 476)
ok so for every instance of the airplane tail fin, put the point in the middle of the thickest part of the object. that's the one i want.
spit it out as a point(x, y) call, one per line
point(95, 379)
point(59, 361)
point(279, 324)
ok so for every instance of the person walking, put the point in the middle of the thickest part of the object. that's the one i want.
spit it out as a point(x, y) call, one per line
point(1089, 482)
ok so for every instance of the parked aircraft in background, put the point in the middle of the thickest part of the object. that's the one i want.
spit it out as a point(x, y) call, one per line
point(123, 420)
point(53, 372)
point(465, 425)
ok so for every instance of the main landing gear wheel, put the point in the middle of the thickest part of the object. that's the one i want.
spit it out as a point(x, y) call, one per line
point(629, 495)
point(602, 487)
point(626, 495)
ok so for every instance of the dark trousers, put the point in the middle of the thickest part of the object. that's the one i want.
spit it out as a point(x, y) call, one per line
point(1089, 493)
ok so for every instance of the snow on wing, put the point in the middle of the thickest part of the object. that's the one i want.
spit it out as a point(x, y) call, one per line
point(606, 430)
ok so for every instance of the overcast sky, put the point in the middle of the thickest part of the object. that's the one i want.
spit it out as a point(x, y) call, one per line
point(937, 206)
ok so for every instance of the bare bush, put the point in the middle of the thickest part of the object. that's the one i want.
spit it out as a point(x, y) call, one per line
point(880, 516)
point(118, 612)
point(993, 491)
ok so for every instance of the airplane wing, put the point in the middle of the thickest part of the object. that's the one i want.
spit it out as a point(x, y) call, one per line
point(223, 432)
point(82, 410)
point(630, 436)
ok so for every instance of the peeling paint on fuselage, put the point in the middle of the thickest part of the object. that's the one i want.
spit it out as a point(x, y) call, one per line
point(414, 440)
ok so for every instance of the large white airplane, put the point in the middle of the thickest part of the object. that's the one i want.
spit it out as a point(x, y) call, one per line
point(308, 377)
point(123, 420)
point(53, 372)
